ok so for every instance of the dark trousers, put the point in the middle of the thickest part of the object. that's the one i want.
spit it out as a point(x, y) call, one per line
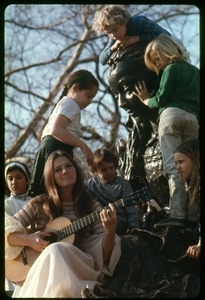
point(46, 147)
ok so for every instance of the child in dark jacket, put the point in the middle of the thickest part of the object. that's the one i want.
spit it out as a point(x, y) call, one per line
point(123, 29)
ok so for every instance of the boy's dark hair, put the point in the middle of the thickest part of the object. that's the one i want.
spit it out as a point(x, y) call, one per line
point(103, 155)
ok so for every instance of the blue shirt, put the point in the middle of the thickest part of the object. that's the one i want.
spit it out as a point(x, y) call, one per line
point(128, 217)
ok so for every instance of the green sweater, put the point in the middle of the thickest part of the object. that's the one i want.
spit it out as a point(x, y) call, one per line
point(179, 87)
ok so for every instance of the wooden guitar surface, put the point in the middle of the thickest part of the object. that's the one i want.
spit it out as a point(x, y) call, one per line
point(15, 269)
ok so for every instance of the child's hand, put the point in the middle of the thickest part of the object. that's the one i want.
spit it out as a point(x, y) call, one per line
point(194, 251)
point(116, 46)
point(126, 42)
point(88, 153)
point(142, 92)
point(154, 204)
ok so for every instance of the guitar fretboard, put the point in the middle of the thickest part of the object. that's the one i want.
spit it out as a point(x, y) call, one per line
point(85, 221)
point(141, 195)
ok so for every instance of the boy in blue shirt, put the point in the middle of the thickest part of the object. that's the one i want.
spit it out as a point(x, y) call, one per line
point(109, 187)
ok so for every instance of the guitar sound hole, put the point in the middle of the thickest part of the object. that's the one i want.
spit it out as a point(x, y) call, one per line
point(52, 238)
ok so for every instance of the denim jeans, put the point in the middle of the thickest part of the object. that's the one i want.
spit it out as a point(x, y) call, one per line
point(176, 126)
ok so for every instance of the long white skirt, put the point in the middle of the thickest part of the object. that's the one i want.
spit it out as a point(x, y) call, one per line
point(62, 270)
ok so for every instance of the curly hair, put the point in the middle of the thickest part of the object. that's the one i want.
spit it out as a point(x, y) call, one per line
point(109, 16)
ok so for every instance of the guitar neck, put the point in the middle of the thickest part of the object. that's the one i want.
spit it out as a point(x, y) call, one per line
point(139, 196)
point(85, 221)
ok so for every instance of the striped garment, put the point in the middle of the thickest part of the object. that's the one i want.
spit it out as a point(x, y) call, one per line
point(30, 215)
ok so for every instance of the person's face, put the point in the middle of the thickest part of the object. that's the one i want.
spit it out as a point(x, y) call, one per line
point(117, 31)
point(107, 171)
point(17, 182)
point(64, 172)
point(184, 165)
point(159, 61)
point(84, 97)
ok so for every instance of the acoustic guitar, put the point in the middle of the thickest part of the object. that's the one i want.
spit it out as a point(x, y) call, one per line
point(62, 229)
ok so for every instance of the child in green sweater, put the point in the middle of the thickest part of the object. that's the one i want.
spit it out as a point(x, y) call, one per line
point(178, 102)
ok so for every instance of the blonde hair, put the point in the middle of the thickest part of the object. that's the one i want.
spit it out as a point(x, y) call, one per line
point(109, 16)
point(167, 48)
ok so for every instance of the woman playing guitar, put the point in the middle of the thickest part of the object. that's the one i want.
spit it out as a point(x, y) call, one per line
point(36, 244)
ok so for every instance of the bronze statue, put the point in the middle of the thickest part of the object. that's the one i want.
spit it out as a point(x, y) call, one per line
point(125, 68)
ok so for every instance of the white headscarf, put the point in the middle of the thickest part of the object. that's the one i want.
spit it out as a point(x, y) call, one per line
point(16, 164)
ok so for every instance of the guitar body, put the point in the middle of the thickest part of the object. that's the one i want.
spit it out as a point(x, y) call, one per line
point(15, 269)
